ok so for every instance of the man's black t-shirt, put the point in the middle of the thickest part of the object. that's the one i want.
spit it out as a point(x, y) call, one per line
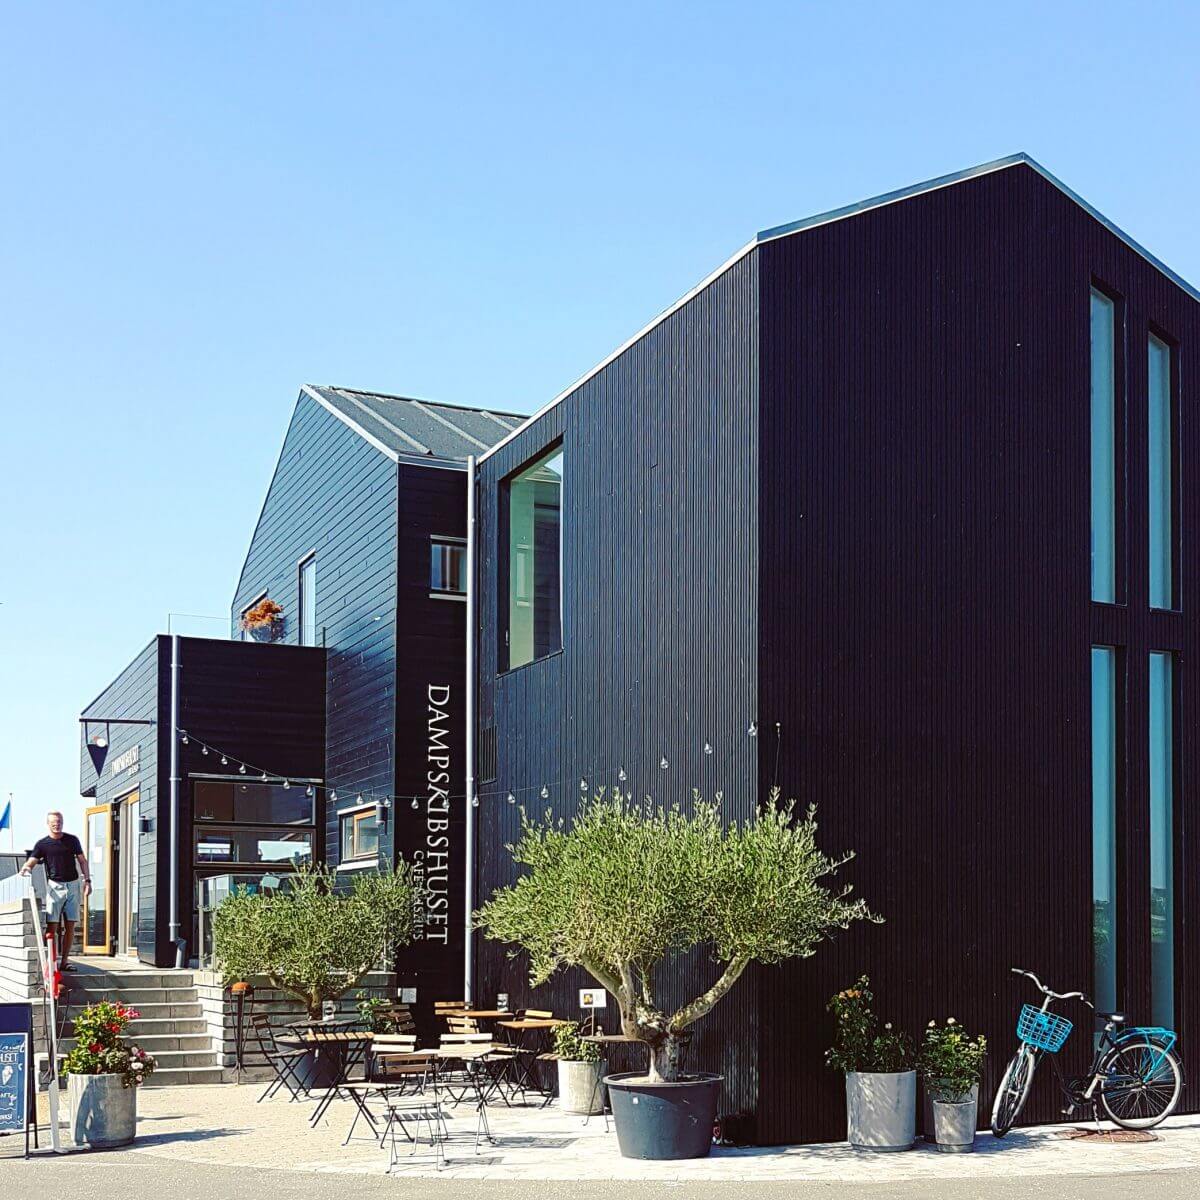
point(59, 856)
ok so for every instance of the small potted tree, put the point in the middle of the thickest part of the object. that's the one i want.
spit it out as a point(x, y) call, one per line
point(951, 1063)
point(628, 887)
point(881, 1085)
point(316, 940)
point(263, 621)
point(579, 1068)
point(103, 1075)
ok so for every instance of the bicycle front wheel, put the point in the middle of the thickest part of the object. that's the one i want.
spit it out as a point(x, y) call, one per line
point(1013, 1091)
point(1141, 1084)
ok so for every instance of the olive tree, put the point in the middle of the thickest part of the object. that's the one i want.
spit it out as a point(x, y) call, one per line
point(319, 937)
point(627, 885)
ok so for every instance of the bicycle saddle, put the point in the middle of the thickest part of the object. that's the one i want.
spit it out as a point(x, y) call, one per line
point(1116, 1018)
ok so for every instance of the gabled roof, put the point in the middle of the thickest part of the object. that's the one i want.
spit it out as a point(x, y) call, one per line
point(841, 214)
point(416, 429)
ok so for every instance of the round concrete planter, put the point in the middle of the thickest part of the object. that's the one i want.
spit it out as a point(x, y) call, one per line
point(579, 1089)
point(881, 1110)
point(664, 1120)
point(928, 1125)
point(954, 1124)
point(103, 1111)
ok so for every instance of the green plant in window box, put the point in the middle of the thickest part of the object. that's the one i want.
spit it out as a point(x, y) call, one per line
point(319, 938)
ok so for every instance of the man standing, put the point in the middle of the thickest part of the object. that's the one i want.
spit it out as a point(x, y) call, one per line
point(65, 860)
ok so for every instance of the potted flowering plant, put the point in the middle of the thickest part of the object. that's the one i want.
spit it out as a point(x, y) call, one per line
point(104, 1073)
point(881, 1085)
point(951, 1063)
point(263, 620)
point(579, 1069)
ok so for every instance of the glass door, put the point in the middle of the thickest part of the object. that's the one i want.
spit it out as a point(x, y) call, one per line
point(96, 916)
point(128, 854)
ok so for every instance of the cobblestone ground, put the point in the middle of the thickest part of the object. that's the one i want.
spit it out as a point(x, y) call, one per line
point(223, 1127)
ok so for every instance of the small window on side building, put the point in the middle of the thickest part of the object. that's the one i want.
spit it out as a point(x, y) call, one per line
point(448, 567)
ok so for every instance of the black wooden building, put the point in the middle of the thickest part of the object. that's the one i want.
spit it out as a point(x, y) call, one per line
point(348, 717)
point(893, 511)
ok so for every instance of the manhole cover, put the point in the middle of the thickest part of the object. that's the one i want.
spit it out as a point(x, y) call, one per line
point(1109, 1137)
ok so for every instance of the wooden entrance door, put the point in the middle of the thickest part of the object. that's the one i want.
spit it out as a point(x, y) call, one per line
point(97, 917)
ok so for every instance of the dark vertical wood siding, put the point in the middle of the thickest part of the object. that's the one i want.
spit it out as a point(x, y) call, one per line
point(135, 694)
point(926, 622)
point(660, 619)
point(335, 494)
point(431, 644)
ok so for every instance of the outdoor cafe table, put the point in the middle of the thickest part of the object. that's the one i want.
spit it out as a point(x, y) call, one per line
point(522, 1028)
point(345, 1048)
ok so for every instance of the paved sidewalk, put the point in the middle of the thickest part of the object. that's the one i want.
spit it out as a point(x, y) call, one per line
point(223, 1126)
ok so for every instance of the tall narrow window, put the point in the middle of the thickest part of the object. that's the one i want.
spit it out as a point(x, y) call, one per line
point(1159, 432)
point(535, 560)
point(308, 601)
point(1162, 843)
point(1104, 449)
point(1104, 825)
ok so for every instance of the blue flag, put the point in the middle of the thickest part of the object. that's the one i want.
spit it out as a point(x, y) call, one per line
point(6, 817)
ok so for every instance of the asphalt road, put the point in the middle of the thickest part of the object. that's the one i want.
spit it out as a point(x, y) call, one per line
point(134, 1176)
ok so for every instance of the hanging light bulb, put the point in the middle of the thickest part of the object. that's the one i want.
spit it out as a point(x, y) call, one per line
point(752, 731)
point(309, 792)
point(583, 785)
point(511, 798)
point(415, 804)
point(203, 749)
point(263, 778)
point(333, 797)
point(184, 739)
point(242, 769)
point(474, 801)
point(708, 747)
point(664, 764)
point(545, 792)
point(286, 784)
point(621, 775)
point(358, 799)
point(224, 761)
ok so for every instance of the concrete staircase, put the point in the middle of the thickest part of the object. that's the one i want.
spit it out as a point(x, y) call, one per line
point(171, 1024)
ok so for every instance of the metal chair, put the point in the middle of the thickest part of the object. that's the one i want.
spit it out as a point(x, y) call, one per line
point(282, 1060)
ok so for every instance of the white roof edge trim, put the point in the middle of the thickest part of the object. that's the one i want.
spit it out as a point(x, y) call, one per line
point(313, 394)
point(839, 214)
point(641, 333)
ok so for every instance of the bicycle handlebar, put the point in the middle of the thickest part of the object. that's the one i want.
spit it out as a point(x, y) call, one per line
point(1047, 992)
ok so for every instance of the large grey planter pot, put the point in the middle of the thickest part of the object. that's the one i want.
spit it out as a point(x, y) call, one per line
point(954, 1124)
point(927, 1124)
point(103, 1111)
point(579, 1088)
point(881, 1110)
point(664, 1120)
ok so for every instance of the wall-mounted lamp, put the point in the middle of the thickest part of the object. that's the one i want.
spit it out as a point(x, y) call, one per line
point(143, 824)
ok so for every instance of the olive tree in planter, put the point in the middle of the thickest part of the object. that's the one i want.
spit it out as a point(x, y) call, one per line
point(951, 1063)
point(316, 940)
point(881, 1084)
point(103, 1075)
point(628, 886)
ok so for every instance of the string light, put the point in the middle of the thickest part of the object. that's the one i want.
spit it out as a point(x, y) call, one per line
point(474, 801)
point(310, 791)
point(224, 761)
point(583, 785)
point(415, 804)
point(545, 793)
point(242, 769)
point(621, 775)
point(184, 739)
point(708, 748)
point(263, 777)
point(333, 797)
point(358, 799)
point(752, 731)
point(511, 798)
point(203, 749)
point(664, 764)
point(286, 785)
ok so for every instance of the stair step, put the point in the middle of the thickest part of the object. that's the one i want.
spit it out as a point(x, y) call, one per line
point(160, 1043)
point(160, 1012)
point(166, 1026)
point(136, 997)
point(108, 981)
point(175, 1076)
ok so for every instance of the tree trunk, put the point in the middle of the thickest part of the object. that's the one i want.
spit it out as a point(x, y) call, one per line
point(666, 1058)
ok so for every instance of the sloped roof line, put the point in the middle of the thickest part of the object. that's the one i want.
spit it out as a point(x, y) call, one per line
point(382, 447)
point(462, 433)
point(839, 214)
point(407, 438)
point(483, 412)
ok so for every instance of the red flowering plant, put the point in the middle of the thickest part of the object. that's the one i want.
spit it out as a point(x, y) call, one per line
point(99, 1048)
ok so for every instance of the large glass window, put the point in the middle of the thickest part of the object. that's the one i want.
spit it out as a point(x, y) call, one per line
point(535, 560)
point(1104, 825)
point(448, 567)
point(1162, 843)
point(308, 601)
point(1104, 448)
point(251, 803)
point(360, 835)
point(1159, 432)
point(237, 844)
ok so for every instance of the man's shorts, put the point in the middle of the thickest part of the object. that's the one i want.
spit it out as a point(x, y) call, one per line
point(62, 900)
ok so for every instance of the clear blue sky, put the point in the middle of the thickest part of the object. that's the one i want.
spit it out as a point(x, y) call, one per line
point(204, 206)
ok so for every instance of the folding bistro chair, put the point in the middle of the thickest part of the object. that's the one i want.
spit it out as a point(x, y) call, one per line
point(529, 1057)
point(282, 1060)
point(391, 1070)
point(420, 1114)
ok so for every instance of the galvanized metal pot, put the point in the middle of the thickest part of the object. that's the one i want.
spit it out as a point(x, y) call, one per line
point(664, 1120)
point(881, 1110)
point(579, 1089)
point(103, 1111)
point(954, 1123)
point(927, 1122)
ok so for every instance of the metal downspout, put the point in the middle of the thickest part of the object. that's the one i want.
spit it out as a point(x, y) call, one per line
point(173, 925)
point(469, 717)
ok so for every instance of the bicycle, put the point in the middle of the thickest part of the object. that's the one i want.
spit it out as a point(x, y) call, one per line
point(1134, 1073)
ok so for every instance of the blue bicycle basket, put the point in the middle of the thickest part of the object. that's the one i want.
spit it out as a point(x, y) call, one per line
point(1042, 1030)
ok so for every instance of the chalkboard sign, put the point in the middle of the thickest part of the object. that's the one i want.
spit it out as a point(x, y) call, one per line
point(17, 1111)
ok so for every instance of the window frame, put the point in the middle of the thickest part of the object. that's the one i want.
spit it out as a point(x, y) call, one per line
point(1120, 445)
point(354, 815)
point(243, 632)
point(1157, 333)
point(504, 563)
point(449, 541)
point(302, 614)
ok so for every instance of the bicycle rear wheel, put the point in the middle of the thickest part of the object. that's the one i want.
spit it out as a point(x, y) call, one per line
point(1141, 1084)
point(1013, 1091)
